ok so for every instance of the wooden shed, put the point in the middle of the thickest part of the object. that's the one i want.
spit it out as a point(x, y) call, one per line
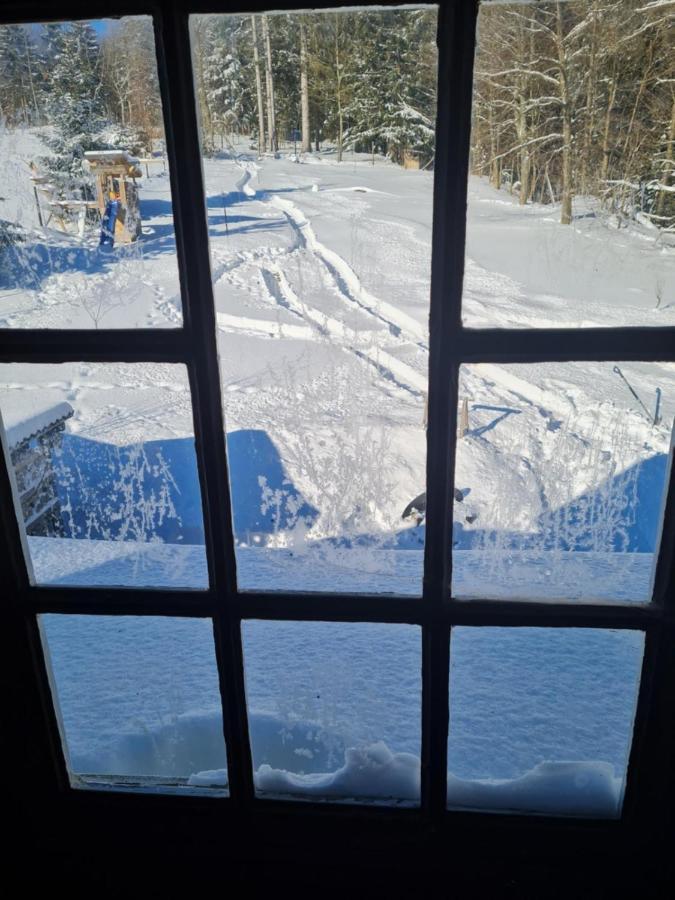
point(33, 430)
point(116, 172)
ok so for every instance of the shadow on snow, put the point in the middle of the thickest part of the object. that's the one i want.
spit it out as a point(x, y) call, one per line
point(150, 491)
point(620, 515)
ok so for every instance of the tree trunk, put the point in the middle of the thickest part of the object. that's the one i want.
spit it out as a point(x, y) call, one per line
point(269, 84)
point(207, 125)
point(524, 153)
point(495, 176)
point(660, 203)
point(522, 124)
point(338, 87)
point(589, 131)
point(304, 91)
point(566, 113)
point(262, 146)
point(604, 167)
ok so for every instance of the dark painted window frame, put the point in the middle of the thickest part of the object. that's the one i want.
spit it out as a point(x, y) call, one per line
point(649, 786)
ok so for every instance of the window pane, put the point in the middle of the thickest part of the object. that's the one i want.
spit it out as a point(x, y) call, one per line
point(571, 213)
point(138, 701)
point(105, 473)
point(334, 710)
point(86, 221)
point(320, 229)
point(541, 719)
point(560, 479)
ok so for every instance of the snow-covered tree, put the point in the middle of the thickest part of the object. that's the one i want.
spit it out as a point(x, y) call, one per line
point(130, 84)
point(393, 84)
point(74, 105)
point(20, 99)
point(577, 97)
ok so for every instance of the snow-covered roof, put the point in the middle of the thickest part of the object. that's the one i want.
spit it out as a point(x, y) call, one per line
point(25, 416)
point(113, 157)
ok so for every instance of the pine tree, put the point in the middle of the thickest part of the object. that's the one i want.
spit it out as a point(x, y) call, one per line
point(223, 80)
point(75, 106)
point(392, 84)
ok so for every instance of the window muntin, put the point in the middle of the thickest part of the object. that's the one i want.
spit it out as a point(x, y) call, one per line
point(455, 36)
point(561, 471)
point(541, 719)
point(105, 473)
point(570, 203)
point(87, 238)
point(138, 701)
point(334, 710)
point(320, 256)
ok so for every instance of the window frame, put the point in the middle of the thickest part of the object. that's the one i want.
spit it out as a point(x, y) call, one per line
point(450, 345)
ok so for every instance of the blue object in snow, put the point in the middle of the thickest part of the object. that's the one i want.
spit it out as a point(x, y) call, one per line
point(108, 223)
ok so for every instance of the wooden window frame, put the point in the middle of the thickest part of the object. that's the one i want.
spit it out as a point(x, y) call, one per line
point(649, 788)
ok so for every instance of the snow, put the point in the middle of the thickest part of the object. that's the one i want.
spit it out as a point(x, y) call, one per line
point(25, 417)
point(512, 576)
point(372, 772)
point(111, 156)
point(321, 285)
point(553, 788)
point(540, 719)
point(526, 271)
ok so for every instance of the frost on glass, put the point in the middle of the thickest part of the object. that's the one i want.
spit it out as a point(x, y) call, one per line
point(137, 701)
point(571, 206)
point(561, 472)
point(541, 719)
point(317, 134)
point(334, 710)
point(86, 222)
point(104, 473)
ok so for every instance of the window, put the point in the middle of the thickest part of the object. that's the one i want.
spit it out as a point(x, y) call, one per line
point(385, 679)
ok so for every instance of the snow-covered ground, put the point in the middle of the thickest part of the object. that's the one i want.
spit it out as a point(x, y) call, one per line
point(540, 720)
point(321, 283)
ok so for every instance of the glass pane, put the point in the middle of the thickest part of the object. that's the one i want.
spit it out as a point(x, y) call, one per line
point(571, 213)
point(334, 710)
point(560, 478)
point(86, 222)
point(105, 473)
point(138, 701)
point(541, 719)
point(317, 133)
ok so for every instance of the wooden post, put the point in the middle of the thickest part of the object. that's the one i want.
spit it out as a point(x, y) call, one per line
point(37, 203)
point(100, 197)
point(464, 419)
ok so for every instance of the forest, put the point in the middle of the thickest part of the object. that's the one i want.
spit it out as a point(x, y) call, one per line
point(570, 98)
point(579, 98)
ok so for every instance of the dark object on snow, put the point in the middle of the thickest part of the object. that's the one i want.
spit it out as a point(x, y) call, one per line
point(630, 387)
point(657, 408)
point(418, 506)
